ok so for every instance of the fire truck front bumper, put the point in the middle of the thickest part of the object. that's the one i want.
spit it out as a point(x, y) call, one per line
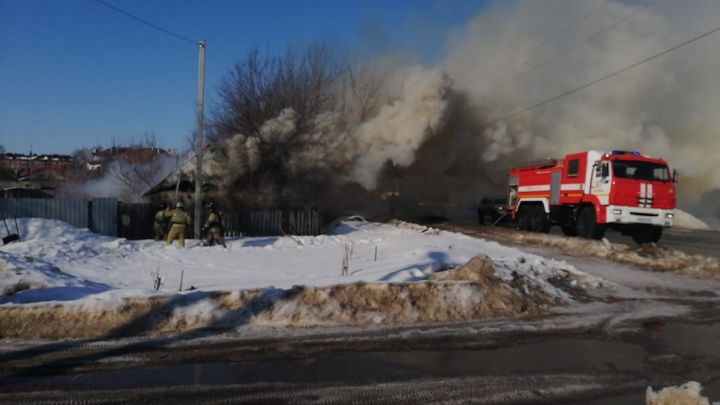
point(616, 214)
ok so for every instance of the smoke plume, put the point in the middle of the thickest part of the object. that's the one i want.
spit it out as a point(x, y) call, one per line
point(423, 130)
point(122, 179)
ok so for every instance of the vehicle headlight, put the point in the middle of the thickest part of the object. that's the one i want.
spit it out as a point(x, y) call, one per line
point(669, 215)
point(617, 211)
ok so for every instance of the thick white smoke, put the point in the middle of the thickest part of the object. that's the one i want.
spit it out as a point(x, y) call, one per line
point(127, 181)
point(667, 107)
point(400, 128)
point(430, 121)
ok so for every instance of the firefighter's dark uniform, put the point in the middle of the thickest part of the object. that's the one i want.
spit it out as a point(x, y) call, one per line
point(159, 225)
point(179, 219)
point(214, 228)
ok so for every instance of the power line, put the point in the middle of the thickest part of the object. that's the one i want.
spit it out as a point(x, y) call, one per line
point(600, 79)
point(551, 38)
point(146, 22)
point(572, 47)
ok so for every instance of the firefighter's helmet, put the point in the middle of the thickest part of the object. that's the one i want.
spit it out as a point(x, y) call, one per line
point(179, 205)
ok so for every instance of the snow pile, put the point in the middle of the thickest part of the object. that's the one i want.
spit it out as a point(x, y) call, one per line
point(686, 394)
point(54, 254)
point(24, 273)
point(65, 282)
point(472, 291)
point(685, 220)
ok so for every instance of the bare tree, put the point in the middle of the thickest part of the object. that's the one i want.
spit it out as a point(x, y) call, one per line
point(260, 86)
point(360, 93)
point(139, 166)
point(282, 131)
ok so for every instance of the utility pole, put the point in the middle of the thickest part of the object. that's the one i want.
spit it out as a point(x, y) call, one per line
point(199, 136)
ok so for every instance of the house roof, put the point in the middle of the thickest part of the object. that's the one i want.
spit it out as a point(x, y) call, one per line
point(19, 192)
point(183, 178)
point(41, 175)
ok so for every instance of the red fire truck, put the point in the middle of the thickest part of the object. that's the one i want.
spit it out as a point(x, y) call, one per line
point(587, 192)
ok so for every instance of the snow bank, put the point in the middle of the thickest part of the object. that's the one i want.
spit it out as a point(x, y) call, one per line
point(41, 228)
point(648, 256)
point(60, 281)
point(686, 394)
point(53, 255)
point(472, 291)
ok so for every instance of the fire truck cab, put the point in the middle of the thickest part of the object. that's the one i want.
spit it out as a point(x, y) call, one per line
point(587, 192)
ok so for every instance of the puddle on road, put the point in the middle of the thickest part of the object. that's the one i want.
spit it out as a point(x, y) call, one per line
point(676, 341)
point(555, 355)
point(690, 339)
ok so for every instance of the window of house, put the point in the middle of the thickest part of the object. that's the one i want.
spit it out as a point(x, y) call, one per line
point(573, 167)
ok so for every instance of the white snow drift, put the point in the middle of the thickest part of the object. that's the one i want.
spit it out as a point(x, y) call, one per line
point(103, 283)
point(57, 262)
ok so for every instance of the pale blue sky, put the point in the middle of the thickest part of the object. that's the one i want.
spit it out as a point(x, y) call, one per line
point(74, 73)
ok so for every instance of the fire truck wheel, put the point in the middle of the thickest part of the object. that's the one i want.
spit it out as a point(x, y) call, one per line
point(539, 221)
point(569, 230)
point(523, 217)
point(586, 225)
point(647, 234)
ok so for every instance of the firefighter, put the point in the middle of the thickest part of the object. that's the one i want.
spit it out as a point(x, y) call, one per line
point(179, 220)
point(160, 223)
point(213, 228)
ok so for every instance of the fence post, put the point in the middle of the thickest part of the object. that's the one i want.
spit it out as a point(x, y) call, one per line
point(89, 219)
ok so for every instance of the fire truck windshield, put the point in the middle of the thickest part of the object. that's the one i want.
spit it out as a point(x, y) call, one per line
point(630, 169)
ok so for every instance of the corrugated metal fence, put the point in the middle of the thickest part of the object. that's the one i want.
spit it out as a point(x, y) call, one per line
point(135, 220)
point(99, 214)
point(107, 216)
point(272, 223)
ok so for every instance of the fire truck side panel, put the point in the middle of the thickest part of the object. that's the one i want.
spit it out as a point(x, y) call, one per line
point(533, 185)
point(572, 182)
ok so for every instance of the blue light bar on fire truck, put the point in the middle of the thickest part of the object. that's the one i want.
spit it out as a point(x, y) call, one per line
point(623, 152)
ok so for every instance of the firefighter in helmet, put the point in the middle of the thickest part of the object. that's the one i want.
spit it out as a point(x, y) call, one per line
point(213, 227)
point(160, 222)
point(179, 220)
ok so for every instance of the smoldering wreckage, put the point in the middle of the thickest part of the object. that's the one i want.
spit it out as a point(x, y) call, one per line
point(424, 141)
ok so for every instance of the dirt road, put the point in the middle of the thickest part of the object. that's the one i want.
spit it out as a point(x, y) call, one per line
point(557, 359)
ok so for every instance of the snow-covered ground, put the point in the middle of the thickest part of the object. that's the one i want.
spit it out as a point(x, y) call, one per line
point(396, 275)
point(60, 281)
point(57, 262)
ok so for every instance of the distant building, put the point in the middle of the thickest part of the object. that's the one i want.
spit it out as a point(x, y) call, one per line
point(33, 171)
point(24, 165)
point(134, 153)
